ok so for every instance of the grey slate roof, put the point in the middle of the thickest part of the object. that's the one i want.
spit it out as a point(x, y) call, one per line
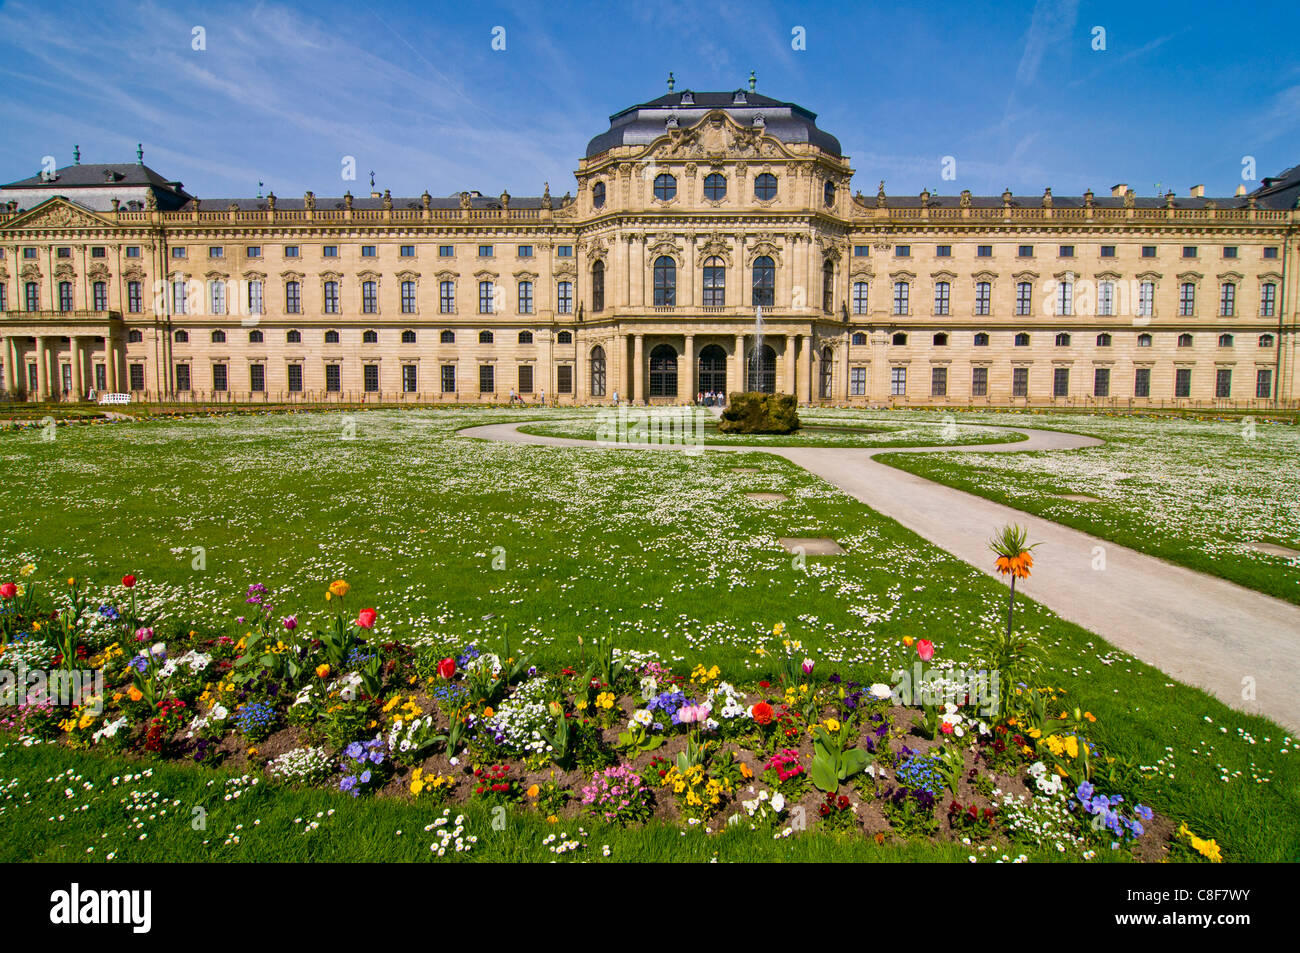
point(99, 175)
point(1280, 191)
point(358, 202)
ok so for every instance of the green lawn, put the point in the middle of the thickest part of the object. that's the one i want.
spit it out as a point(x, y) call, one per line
point(658, 550)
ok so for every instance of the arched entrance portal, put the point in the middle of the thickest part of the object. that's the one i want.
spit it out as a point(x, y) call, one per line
point(663, 371)
point(760, 371)
point(713, 370)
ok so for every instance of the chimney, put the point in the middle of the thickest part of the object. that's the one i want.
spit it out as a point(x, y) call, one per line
point(1197, 192)
point(1241, 189)
point(1118, 191)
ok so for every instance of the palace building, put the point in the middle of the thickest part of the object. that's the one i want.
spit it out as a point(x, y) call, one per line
point(690, 212)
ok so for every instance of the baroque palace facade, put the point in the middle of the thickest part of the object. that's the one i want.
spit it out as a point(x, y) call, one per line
point(690, 211)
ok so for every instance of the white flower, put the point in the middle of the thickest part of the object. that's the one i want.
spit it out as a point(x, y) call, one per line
point(880, 691)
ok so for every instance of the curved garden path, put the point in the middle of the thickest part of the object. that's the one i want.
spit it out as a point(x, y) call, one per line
point(1199, 629)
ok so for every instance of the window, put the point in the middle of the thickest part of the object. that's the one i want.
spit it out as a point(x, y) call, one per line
point(1060, 382)
point(485, 337)
point(828, 192)
point(368, 251)
point(485, 297)
point(861, 251)
point(370, 378)
point(938, 382)
point(257, 378)
point(1067, 251)
point(1227, 299)
point(983, 297)
point(132, 251)
point(1020, 382)
point(902, 251)
point(136, 372)
point(1225, 340)
point(1106, 298)
point(4, 297)
point(98, 251)
point(407, 251)
point(331, 297)
point(1266, 340)
point(32, 296)
point(1148, 251)
point(901, 290)
point(218, 337)
point(715, 283)
point(486, 379)
point(715, 187)
point(369, 297)
point(665, 187)
point(598, 372)
point(446, 251)
point(525, 297)
point(216, 251)
point(1183, 382)
point(564, 337)
point(331, 337)
point(1024, 298)
point(1187, 299)
point(134, 336)
point(598, 195)
point(1267, 298)
point(1065, 298)
point(898, 381)
point(219, 382)
point(408, 337)
point(940, 339)
point(369, 337)
point(857, 382)
point(764, 288)
point(65, 295)
point(899, 339)
point(295, 378)
point(1062, 339)
point(1142, 382)
point(860, 297)
point(255, 337)
point(1103, 340)
point(1184, 340)
point(525, 337)
point(981, 339)
point(859, 339)
point(1101, 382)
point(180, 300)
point(328, 251)
point(1263, 383)
point(1022, 339)
point(333, 378)
point(942, 251)
point(1144, 340)
point(293, 337)
point(1107, 251)
point(448, 375)
point(447, 297)
point(447, 337)
point(598, 286)
point(983, 251)
point(408, 378)
point(564, 379)
point(217, 297)
point(291, 251)
point(1025, 251)
point(253, 251)
point(941, 297)
point(1270, 252)
point(665, 282)
point(979, 382)
point(1146, 299)
point(1189, 251)
point(292, 297)
point(524, 251)
point(765, 187)
point(1229, 251)
point(564, 251)
point(176, 252)
point(255, 297)
point(181, 337)
point(182, 377)
point(828, 286)
point(564, 297)
point(408, 297)
point(31, 253)
point(485, 251)
point(525, 378)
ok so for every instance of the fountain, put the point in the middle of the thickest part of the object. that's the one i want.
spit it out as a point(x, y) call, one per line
point(755, 381)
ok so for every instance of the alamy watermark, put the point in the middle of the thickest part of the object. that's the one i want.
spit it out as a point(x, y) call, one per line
point(61, 688)
point(652, 427)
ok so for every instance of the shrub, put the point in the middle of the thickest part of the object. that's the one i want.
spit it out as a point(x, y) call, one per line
point(760, 413)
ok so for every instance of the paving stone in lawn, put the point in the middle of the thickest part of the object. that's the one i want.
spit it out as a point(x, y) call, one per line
point(1273, 549)
point(1078, 497)
point(767, 497)
point(812, 545)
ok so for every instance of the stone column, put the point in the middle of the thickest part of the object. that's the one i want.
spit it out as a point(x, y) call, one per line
point(689, 356)
point(736, 368)
point(790, 342)
point(110, 358)
point(805, 367)
point(638, 368)
point(42, 370)
point(11, 365)
point(844, 370)
point(78, 390)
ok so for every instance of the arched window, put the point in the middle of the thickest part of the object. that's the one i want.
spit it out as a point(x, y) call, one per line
point(369, 337)
point(1184, 340)
point(765, 187)
point(665, 282)
point(218, 337)
point(1266, 340)
point(760, 371)
point(598, 286)
point(564, 337)
point(408, 337)
point(715, 187)
point(331, 337)
point(1144, 340)
point(1103, 340)
point(715, 282)
point(1225, 340)
point(764, 281)
point(597, 371)
point(525, 337)
point(859, 339)
point(182, 337)
point(134, 336)
point(981, 339)
point(663, 371)
point(828, 192)
point(941, 339)
point(255, 337)
point(899, 338)
point(1062, 339)
point(825, 373)
point(485, 337)
point(665, 187)
point(1022, 339)
point(293, 337)
point(598, 195)
point(860, 297)
point(447, 337)
point(828, 286)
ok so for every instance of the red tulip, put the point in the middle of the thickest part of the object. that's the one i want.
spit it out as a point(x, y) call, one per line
point(925, 649)
point(366, 618)
point(8, 590)
point(129, 581)
point(447, 668)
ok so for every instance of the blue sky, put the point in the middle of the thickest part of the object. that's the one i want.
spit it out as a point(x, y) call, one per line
point(1013, 91)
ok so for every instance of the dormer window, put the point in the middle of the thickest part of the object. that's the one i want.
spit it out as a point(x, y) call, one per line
point(739, 98)
point(688, 98)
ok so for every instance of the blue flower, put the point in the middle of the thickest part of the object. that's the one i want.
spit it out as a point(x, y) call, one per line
point(353, 751)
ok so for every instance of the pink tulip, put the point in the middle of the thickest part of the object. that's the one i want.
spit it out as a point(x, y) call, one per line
point(925, 649)
point(807, 666)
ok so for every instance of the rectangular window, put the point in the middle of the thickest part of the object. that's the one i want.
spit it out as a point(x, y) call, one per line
point(257, 378)
point(1065, 298)
point(564, 379)
point(1060, 382)
point(293, 298)
point(525, 297)
point(1228, 299)
point(1067, 251)
point(1183, 382)
point(447, 297)
point(564, 251)
point(525, 251)
point(857, 382)
point(446, 251)
point(485, 251)
point(1146, 299)
point(253, 251)
point(1024, 298)
point(938, 382)
point(99, 296)
point(898, 381)
point(979, 382)
point(1142, 382)
point(942, 251)
point(369, 297)
point(408, 378)
point(331, 297)
point(861, 251)
point(485, 297)
point(291, 251)
point(370, 378)
point(983, 297)
point(254, 297)
point(330, 251)
point(1101, 382)
point(4, 297)
point(1267, 298)
point(98, 251)
point(408, 297)
point(176, 252)
point(486, 379)
point(1223, 382)
point(1025, 251)
point(941, 298)
point(216, 251)
point(295, 378)
point(408, 251)
point(182, 377)
point(1187, 299)
point(132, 251)
point(137, 376)
point(219, 381)
point(1264, 383)
point(1270, 252)
point(564, 297)
point(525, 378)
point(134, 301)
point(902, 251)
point(31, 253)
point(1148, 251)
point(1229, 251)
point(179, 298)
point(1106, 298)
point(1107, 251)
point(900, 297)
point(368, 251)
point(983, 251)
point(1189, 251)
point(1020, 382)
point(449, 378)
point(32, 294)
point(333, 378)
